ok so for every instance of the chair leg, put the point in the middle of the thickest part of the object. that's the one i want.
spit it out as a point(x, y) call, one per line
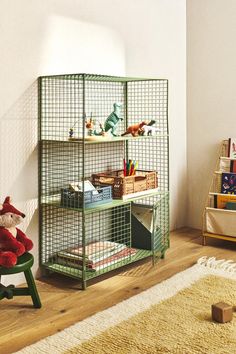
point(32, 288)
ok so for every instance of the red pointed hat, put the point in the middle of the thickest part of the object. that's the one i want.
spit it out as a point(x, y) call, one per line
point(6, 207)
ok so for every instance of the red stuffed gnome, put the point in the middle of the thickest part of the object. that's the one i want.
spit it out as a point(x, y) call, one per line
point(13, 242)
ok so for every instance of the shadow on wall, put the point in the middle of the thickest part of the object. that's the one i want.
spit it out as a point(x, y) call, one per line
point(41, 40)
point(18, 164)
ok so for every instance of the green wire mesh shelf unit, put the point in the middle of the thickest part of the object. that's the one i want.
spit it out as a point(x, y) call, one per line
point(87, 241)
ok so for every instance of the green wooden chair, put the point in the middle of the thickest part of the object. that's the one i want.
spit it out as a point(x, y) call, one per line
point(24, 264)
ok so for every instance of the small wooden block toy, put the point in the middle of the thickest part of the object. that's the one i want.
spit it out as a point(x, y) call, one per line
point(222, 312)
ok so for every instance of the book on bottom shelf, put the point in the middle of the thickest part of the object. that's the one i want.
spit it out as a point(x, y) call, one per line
point(115, 258)
point(224, 201)
point(94, 252)
point(100, 254)
point(73, 264)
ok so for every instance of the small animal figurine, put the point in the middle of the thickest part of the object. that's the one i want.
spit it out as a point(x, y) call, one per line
point(89, 124)
point(113, 119)
point(102, 131)
point(71, 133)
point(134, 129)
point(92, 131)
point(148, 129)
point(13, 242)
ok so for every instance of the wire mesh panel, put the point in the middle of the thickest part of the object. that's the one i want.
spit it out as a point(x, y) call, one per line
point(108, 240)
point(85, 229)
point(100, 97)
point(61, 105)
point(62, 164)
point(148, 101)
point(161, 224)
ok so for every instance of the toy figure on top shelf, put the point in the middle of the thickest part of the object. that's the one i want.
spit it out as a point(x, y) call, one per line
point(134, 129)
point(149, 129)
point(113, 119)
point(94, 130)
point(141, 129)
point(71, 133)
point(89, 124)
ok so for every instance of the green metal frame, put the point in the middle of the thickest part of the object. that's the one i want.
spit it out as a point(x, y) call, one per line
point(50, 204)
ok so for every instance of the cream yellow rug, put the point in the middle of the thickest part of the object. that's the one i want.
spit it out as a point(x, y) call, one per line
point(171, 317)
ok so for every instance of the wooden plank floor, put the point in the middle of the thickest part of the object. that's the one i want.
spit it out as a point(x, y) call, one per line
point(64, 304)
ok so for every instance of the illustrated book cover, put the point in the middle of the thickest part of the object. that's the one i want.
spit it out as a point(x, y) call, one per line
point(233, 166)
point(232, 148)
point(228, 184)
point(221, 201)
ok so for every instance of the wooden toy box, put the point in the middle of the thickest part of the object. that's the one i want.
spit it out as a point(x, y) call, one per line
point(124, 185)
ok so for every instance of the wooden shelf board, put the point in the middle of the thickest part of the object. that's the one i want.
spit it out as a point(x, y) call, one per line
point(114, 203)
point(227, 158)
point(222, 237)
point(221, 210)
point(223, 194)
point(105, 140)
point(99, 207)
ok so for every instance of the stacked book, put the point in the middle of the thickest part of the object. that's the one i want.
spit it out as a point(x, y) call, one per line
point(226, 197)
point(98, 255)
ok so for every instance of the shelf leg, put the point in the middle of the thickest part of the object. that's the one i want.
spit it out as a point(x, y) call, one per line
point(153, 260)
point(162, 255)
point(84, 285)
point(204, 240)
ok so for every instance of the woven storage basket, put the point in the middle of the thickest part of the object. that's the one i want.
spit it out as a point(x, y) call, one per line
point(123, 185)
point(73, 199)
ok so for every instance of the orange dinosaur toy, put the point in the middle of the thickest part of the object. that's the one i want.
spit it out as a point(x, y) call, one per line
point(134, 129)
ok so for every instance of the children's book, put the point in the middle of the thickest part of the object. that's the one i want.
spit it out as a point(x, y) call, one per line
point(233, 166)
point(221, 201)
point(118, 257)
point(227, 165)
point(100, 251)
point(78, 186)
point(232, 148)
point(230, 206)
point(228, 183)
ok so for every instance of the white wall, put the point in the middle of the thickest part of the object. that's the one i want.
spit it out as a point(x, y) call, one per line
point(154, 33)
point(211, 33)
point(118, 37)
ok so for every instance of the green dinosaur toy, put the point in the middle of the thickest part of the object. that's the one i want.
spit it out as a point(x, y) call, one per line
point(113, 119)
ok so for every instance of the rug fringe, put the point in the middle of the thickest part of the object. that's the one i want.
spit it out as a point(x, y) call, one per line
point(213, 263)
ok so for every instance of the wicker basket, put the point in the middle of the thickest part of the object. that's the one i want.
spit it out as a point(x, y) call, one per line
point(123, 185)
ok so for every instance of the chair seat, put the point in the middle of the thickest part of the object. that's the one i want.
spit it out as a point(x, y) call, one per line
point(24, 262)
